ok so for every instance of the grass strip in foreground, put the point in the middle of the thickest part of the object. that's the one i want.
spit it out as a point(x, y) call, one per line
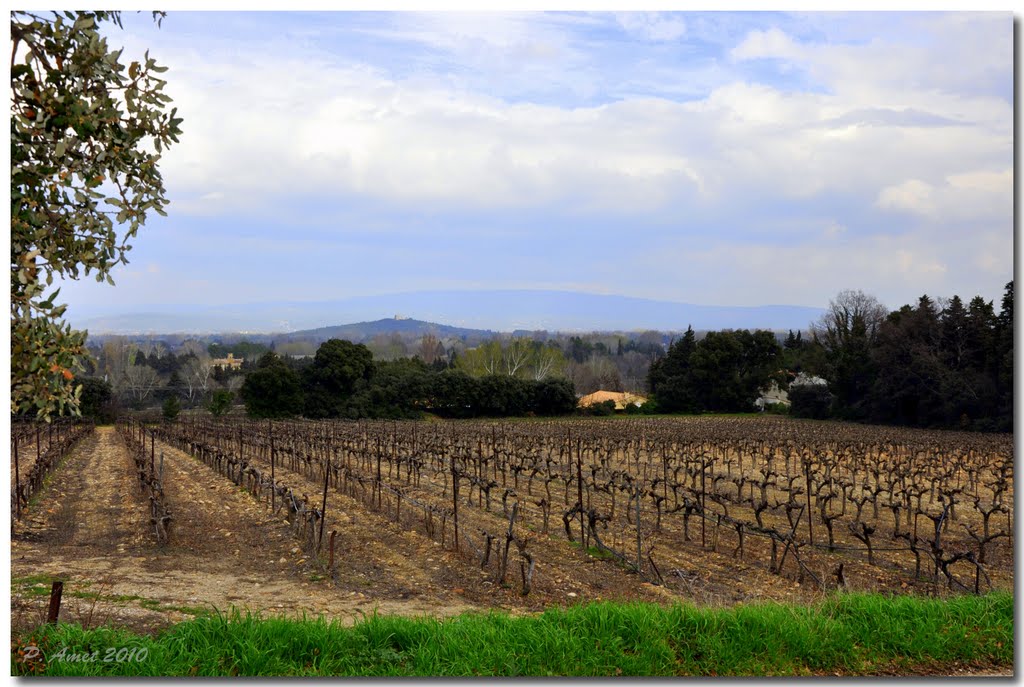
point(847, 634)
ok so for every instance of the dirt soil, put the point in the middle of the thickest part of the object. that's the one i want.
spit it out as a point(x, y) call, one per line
point(89, 527)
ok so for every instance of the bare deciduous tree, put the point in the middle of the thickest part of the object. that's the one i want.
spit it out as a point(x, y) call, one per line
point(851, 315)
point(485, 359)
point(140, 381)
point(548, 361)
point(516, 355)
point(430, 349)
point(196, 373)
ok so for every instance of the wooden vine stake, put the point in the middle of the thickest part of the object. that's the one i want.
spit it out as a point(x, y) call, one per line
point(55, 594)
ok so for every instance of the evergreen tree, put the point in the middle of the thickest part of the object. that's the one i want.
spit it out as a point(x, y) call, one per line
point(272, 390)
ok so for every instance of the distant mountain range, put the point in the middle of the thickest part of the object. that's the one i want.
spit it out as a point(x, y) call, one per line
point(499, 310)
point(364, 331)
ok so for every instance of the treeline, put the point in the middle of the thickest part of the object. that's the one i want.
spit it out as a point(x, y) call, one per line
point(344, 381)
point(122, 373)
point(928, 365)
point(723, 372)
point(934, 365)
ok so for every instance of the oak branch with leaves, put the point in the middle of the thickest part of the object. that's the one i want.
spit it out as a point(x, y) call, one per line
point(87, 133)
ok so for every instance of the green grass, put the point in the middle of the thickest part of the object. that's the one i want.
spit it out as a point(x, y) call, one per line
point(848, 634)
point(40, 585)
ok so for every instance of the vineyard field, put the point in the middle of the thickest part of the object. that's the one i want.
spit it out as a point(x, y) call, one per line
point(343, 517)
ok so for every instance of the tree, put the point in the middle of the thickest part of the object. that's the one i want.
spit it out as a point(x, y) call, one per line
point(670, 379)
point(675, 363)
point(398, 389)
point(272, 390)
point(430, 349)
point(546, 361)
point(597, 373)
point(955, 334)
point(579, 350)
point(1004, 358)
point(761, 360)
point(97, 400)
point(454, 393)
point(197, 372)
point(517, 355)
point(171, 408)
point(922, 375)
point(86, 136)
point(332, 378)
point(553, 397)
point(981, 323)
point(116, 357)
point(724, 371)
point(715, 374)
point(847, 331)
point(484, 359)
point(140, 381)
point(502, 395)
point(633, 367)
point(810, 400)
point(221, 402)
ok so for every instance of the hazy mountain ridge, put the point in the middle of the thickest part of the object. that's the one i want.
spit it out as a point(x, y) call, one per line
point(362, 331)
point(504, 311)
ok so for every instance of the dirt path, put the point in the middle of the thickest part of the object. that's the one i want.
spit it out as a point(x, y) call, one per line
point(91, 506)
point(90, 528)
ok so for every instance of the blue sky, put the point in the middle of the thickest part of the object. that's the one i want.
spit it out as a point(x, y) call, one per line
point(710, 158)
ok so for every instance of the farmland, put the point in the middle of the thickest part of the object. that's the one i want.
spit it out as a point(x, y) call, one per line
point(436, 517)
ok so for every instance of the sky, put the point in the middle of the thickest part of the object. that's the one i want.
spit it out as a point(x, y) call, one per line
point(710, 158)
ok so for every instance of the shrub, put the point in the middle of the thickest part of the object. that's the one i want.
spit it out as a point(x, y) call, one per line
point(172, 406)
point(650, 407)
point(776, 409)
point(221, 402)
point(810, 400)
point(553, 396)
point(601, 409)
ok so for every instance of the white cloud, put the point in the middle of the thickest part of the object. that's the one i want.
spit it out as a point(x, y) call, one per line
point(770, 43)
point(974, 195)
point(652, 26)
point(913, 195)
point(892, 130)
point(257, 131)
point(261, 126)
point(895, 268)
